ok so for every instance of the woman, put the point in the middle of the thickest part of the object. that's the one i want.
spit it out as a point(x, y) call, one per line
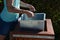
point(10, 15)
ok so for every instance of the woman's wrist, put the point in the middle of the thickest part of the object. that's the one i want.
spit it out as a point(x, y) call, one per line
point(21, 11)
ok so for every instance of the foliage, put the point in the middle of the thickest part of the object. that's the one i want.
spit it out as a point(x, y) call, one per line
point(51, 8)
point(0, 1)
point(1, 5)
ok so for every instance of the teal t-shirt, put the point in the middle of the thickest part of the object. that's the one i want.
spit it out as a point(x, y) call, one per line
point(10, 16)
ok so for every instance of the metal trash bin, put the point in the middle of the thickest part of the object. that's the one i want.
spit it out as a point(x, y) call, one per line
point(34, 23)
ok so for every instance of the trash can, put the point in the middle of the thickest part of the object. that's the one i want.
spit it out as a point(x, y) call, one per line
point(35, 23)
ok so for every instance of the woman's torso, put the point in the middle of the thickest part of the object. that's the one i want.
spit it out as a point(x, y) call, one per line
point(10, 16)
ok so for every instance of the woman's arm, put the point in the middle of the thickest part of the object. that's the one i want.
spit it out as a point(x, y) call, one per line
point(11, 8)
point(15, 10)
point(22, 4)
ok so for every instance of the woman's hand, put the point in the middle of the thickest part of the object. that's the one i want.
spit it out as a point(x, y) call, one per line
point(29, 13)
point(32, 8)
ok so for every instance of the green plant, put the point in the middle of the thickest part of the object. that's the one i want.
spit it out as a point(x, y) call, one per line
point(0, 1)
point(51, 8)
